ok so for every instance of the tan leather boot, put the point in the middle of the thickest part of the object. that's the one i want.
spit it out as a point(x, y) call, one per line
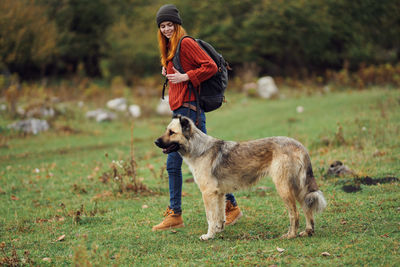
point(172, 220)
point(232, 213)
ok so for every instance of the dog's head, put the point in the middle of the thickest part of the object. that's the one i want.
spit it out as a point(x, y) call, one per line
point(177, 135)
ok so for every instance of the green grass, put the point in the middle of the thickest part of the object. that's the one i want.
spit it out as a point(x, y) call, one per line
point(46, 179)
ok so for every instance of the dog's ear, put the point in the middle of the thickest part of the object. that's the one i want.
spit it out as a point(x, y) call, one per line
point(185, 124)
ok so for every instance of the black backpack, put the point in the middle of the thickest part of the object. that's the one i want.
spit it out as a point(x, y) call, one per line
point(212, 90)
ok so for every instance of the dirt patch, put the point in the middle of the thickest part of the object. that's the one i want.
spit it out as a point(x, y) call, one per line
point(351, 188)
point(354, 185)
point(374, 181)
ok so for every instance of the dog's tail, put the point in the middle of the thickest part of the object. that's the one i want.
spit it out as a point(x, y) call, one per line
point(314, 199)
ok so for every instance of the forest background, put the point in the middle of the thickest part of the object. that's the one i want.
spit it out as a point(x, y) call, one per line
point(283, 38)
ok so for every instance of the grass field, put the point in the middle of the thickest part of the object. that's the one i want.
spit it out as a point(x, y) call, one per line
point(56, 210)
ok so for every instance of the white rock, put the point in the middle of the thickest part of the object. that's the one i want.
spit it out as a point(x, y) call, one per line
point(134, 111)
point(33, 126)
point(92, 113)
point(41, 112)
point(299, 109)
point(101, 115)
point(267, 87)
point(163, 107)
point(118, 104)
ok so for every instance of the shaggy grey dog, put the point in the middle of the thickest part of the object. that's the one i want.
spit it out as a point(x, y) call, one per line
point(221, 166)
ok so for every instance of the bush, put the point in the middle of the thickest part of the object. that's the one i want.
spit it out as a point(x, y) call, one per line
point(365, 76)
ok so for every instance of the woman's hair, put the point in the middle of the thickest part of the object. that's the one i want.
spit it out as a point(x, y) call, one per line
point(163, 42)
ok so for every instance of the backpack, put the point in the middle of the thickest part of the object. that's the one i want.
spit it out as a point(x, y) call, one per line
point(212, 91)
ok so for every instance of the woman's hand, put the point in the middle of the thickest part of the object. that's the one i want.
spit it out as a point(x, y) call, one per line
point(177, 77)
point(163, 71)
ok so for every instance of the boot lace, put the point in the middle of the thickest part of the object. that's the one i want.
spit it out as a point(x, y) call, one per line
point(168, 212)
point(228, 206)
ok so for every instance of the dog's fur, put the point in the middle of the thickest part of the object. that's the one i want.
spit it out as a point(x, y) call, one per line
point(220, 167)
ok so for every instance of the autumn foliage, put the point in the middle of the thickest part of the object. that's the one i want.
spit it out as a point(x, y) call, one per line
point(105, 38)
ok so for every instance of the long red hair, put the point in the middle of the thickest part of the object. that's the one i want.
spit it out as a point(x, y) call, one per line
point(164, 43)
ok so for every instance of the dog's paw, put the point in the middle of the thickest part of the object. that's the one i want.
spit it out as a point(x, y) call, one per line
point(220, 228)
point(288, 236)
point(307, 232)
point(206, 237)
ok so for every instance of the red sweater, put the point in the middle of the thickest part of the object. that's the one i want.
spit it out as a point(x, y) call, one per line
point(198, 66)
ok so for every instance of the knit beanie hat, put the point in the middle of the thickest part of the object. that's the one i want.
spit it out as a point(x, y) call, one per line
point(168, 13)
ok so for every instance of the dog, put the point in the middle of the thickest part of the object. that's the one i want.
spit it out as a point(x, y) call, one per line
point(220, 167)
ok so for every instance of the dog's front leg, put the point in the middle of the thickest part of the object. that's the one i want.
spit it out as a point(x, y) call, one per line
point(214, 203)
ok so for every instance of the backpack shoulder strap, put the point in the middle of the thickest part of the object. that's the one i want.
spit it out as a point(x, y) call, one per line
point(176, 60)
point(163, 88)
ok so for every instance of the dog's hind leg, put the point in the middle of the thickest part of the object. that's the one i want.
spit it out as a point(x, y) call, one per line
point(214, 203)
point(309, 214)
point(312, 202)
point(286, 192)
point(290, 203)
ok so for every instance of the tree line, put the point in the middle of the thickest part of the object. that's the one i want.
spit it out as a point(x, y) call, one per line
point(106, 38)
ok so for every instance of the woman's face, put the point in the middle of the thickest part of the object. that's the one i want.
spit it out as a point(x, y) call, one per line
point(167, 29)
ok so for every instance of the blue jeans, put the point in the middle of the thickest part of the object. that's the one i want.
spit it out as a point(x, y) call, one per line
point(174, 165)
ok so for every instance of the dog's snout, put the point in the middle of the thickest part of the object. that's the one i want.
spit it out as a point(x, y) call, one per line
point(157, 142)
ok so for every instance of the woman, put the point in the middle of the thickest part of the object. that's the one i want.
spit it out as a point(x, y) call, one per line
point(198, 67)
